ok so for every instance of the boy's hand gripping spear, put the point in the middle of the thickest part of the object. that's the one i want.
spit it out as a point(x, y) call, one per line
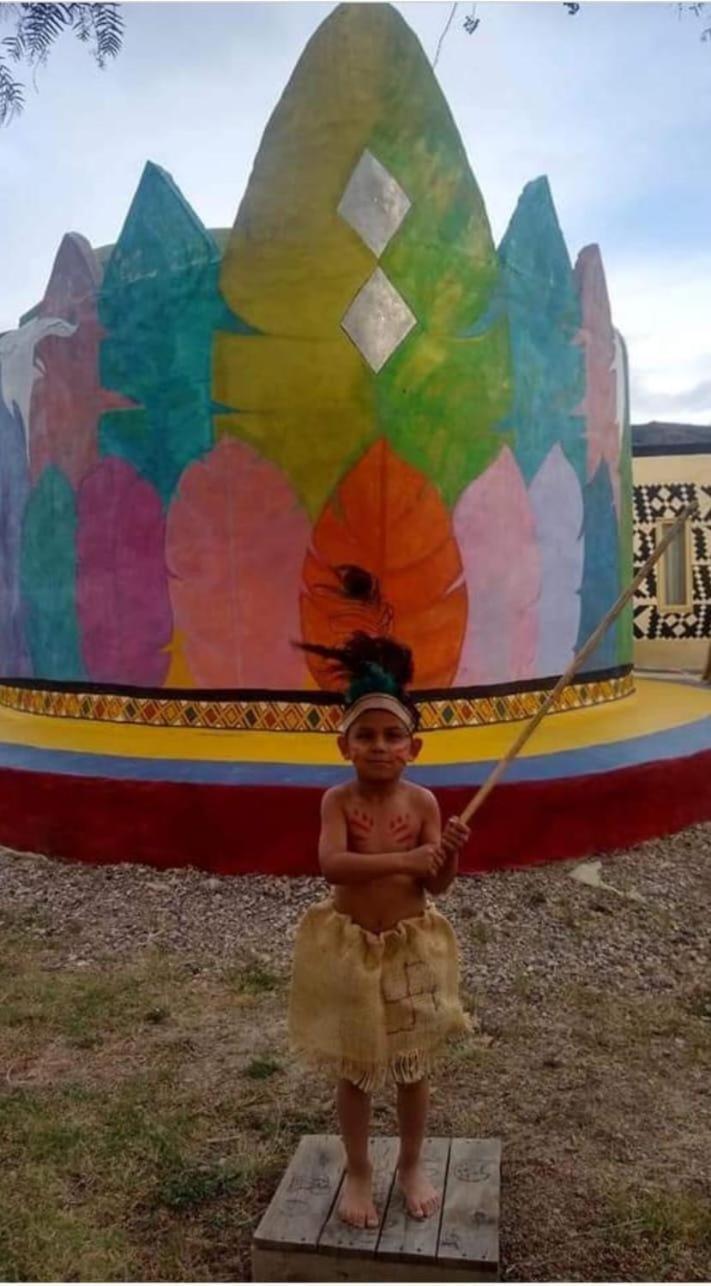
point(477, 800)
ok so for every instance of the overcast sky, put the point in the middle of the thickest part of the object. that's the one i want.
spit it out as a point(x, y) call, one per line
point(614, 105)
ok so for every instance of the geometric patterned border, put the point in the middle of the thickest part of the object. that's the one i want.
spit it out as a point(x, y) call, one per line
point(466, 712)
point(298, 716)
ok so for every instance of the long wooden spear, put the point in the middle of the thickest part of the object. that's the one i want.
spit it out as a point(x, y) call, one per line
point(477, 800)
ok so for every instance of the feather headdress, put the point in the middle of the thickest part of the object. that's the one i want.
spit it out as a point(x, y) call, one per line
point(372, 666)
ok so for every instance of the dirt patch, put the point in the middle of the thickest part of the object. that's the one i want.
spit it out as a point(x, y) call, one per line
point(148, 1104)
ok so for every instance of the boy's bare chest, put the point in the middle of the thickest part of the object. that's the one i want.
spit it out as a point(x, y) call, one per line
point(382, 829)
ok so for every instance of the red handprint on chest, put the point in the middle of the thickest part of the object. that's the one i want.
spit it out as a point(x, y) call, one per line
point(402, 829)
point(399, 830)
point(360, 823)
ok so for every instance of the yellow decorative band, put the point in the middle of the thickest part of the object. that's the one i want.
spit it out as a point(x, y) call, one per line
point(262, 715)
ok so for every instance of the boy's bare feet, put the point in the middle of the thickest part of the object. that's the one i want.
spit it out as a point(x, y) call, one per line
point(356, 1202)
point(421, 1198)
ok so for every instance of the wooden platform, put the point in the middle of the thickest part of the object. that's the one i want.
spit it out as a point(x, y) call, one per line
point(301, 1239)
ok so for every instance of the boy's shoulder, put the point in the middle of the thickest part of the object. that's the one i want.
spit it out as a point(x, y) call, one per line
point(337, 794)
point(420, 796)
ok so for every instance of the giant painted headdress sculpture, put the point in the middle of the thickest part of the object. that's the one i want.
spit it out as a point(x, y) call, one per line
point(360, 416)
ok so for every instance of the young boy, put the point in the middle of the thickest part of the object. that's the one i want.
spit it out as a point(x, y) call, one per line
point(375, 976)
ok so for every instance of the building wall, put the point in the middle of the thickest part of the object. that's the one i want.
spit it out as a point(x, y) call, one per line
point(667, 639)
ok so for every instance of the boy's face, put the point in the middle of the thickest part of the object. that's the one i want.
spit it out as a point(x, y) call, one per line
point(379, 746)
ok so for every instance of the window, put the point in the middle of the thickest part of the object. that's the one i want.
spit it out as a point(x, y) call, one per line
point(675, 570)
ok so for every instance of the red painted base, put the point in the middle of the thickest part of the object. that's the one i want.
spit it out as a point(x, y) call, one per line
point(235, 830)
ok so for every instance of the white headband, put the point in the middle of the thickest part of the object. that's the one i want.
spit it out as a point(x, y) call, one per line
point(378, 701)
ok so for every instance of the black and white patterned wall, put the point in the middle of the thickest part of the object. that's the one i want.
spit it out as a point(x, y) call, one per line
point(653, 503)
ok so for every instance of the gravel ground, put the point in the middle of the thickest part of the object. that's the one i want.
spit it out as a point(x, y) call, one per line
point(511, 924)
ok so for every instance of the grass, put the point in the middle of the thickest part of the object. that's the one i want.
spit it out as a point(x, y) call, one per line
point(252, 979)
point(699, 1003)
point(124, 1157)
point(189, 1185)
point(665, 1218)
point(665, 1234)
point(260, 1069)
point(148, 1110)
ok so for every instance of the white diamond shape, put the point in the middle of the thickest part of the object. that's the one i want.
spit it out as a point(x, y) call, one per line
point(373, 203)
point(378, 320)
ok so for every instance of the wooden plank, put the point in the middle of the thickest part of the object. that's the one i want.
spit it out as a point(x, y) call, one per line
point(302, 1202)
point(410, 1239)
point(341, 1237)
point(469, 1230)
point(270, 1265)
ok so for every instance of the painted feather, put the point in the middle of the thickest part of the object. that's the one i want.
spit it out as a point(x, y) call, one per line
point(236, 539)
point(14, 489)
point(21, 367)
point(596, 336)
point(122, 581)
point(48, 578)
point(543, 310)
point(159, 305)
point(557, 503)
point(362, 95)
point(388, 523)
point(494, 526)
point(68, 400)
point(600, 569)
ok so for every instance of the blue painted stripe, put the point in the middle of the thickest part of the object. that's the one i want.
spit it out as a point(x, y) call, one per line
point(672, 743)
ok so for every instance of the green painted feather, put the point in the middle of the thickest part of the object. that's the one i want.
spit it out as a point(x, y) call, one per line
point(301, 390)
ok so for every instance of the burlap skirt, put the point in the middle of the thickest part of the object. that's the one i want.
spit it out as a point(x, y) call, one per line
point(373, 1006)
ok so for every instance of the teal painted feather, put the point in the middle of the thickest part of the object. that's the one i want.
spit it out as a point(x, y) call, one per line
point(543, 308)
point(48, 578)
point(160, 305)
point(600, 585)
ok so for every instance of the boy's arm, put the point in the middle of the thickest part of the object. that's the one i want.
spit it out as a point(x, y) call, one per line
point(431, 833)
point(339, 866)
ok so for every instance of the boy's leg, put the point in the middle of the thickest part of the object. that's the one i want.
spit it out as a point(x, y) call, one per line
point(412, 1106)
point(356, 1203)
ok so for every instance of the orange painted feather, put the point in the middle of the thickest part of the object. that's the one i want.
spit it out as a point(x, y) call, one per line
point(388, 519)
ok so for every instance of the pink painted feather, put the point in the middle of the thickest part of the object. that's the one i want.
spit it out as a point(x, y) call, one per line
point(236, 540)
point(557, 505)
point(68, 401)
point(494, 526)
point(599, 405)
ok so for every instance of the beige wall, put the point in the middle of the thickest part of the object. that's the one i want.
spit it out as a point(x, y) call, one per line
point(671, 654)
point(672, 468)
point(674, 654)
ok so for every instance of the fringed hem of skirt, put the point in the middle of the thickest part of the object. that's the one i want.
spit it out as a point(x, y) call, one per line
point(404, 1069)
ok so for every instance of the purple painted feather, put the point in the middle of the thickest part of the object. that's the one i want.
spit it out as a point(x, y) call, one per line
point(123, 602)
point(494, 526)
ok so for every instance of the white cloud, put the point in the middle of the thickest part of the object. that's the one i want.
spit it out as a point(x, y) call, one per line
point(662, 306)
point(694, 401)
